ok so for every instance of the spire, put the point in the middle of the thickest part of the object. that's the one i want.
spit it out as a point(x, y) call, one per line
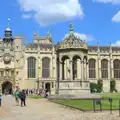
point(71, 28)
point(8, 33)
point(35, 33)
point(49, 33)
point(8, 28)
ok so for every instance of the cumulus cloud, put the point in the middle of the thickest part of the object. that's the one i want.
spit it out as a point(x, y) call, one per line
point(83, 37)
point(117, 43)
point(48, 12)
point(116, 17)
point(108, 1)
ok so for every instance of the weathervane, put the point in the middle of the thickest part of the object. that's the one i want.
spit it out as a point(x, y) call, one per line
point(8, 22)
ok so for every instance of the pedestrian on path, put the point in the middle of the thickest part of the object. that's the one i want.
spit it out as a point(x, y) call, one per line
point(22, 97)
point(16, 95)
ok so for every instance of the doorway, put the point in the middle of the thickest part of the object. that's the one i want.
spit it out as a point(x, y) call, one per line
point(7, 87)
point(47, 87)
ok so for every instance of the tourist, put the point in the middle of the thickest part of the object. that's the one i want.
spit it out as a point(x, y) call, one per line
point(22, 97)
point(0, 99)
point(16, 95)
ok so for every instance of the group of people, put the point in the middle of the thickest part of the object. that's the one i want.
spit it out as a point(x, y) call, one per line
point(41, 92)
point(20, 95)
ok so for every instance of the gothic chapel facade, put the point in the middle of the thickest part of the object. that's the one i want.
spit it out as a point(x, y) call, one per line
point(65, 68)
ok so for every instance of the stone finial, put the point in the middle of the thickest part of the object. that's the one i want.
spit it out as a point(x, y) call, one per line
point(98, 47)
point(71, 28)
point(110, 47)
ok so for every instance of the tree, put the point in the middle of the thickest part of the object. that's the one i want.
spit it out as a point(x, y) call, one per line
point(100, 86)
point(113, 86)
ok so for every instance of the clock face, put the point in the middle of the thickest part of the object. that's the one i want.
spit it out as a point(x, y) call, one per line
point(7, 58)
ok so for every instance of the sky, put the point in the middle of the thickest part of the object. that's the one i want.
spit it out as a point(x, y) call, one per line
point(96, 21)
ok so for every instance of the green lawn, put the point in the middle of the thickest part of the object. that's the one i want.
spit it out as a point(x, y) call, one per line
point(35, 97)
point(87, 105)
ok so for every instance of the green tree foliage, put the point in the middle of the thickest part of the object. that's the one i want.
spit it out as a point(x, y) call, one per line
point(100, 86)
point(93, 87)
point(96, 88)
point(113, 86)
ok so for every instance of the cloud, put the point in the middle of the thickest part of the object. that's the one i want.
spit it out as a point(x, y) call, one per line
point(83, 37)
point(48, 12)
point(117, 43)
point(108, 1)
point(26, 16)
point(116, 17)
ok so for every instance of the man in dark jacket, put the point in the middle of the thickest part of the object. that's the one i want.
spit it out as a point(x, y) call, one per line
point(22, 97)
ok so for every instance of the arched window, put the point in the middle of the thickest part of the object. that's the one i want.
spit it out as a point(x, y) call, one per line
point(31, 67)
point(104, 68)
point(116, 66)
point(45, 67)
point(92, 68)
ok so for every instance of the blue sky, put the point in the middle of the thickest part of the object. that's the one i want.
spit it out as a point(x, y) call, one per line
point(94, 20)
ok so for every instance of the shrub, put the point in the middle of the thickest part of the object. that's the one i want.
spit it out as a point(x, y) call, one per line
point(100, 86)
point(93, 87)
point(113, 86)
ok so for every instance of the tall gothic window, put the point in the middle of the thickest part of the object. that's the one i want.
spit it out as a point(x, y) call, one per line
point(45, 67)
point(31, 67)
point(92, 68)
point(116, 66)
point(104, 68)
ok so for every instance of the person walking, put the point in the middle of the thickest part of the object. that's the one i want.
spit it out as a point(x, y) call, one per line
point(16, 95)
point(22, 97)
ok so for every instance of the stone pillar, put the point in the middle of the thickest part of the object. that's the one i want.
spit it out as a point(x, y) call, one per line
point(82, 70)
point(99, 68)
point(112, 69)
point(60, 70)
point(87, 71)
point(71, 70)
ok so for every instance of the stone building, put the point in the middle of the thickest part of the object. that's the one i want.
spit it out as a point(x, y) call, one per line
point(65, 68)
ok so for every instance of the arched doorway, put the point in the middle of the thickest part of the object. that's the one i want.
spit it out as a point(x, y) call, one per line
point(47, 87)
point(7, 87)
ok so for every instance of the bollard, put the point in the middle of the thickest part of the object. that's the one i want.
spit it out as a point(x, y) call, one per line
point(94, 105)
point(119, 108)
point(110, 100)
point(100, 106)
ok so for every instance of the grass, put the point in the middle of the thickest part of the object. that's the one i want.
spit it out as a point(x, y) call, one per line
point(87, 105)
point(35, 97)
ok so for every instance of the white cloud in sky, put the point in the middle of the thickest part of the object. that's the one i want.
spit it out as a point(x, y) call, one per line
point(26, 16)
point(108, 1)
point(117, 43)
point(116, 17)
point(48, 12)
point(83, 37)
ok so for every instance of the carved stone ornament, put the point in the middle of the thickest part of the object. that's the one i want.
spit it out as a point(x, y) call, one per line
point(7, 58)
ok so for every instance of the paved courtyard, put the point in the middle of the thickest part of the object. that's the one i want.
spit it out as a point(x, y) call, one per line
point(42, 109)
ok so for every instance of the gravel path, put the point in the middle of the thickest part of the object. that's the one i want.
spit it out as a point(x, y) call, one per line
point(42, 109)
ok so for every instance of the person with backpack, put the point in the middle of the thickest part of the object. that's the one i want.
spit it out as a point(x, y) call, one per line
point(16, 95)
point(22, 97)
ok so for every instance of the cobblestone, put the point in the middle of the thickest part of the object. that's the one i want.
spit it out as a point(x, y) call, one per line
point(44, 110)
